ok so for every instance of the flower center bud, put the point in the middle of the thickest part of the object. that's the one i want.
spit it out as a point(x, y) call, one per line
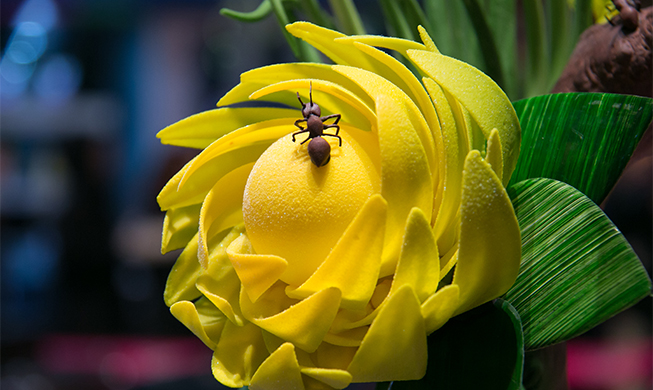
point(298, 211)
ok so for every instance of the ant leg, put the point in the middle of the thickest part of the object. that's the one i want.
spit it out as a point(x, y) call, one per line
point(334, 135)
point(300, 120)
point(310, 92)
point(304, 141)
point(300, 100)
point(337, 116)
point(333, 126)
point(297, 133)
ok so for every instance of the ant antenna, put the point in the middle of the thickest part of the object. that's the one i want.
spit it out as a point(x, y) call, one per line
point(310, 92)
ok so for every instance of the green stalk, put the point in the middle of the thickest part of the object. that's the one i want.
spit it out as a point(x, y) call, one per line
point(560, 31)
point(536, 41)
point(486, 41)
point(416, 15)
point(264, 9)
point(347, 17)
point(316, 13)
point(395, 17)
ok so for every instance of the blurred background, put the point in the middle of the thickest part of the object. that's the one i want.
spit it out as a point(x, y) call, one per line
point(84, 88)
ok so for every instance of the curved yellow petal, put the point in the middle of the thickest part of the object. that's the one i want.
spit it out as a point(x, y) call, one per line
point(180, 285)
point(426, 38)
point(186, 313)
point(439, 307)
point(347, 338)
point(337, 379)
point(239, 353)
point(280, 371)
point(493, 153)
point(419, 262)
point(179, 226)
point(350, 105)
point(305, 323)
point(198, 185)
point(489, 246)
point(353, 264)
point(410, 115)
point(211, 318)
point(223, 204)
point(400, 357)
point(447, 198)
point(399, 45)
point(200, 130)
point(258, 78)
point(481, 96)
point(333, 356)
point(220, 283)
point(262, 133)
point(404, 79)
point(257, 273)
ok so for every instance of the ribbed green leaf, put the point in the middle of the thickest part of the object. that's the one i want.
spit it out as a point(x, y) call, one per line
point(480, 349)
point(577, 269)
point(582, 139)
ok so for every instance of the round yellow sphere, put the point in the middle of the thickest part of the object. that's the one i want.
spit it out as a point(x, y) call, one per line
point(298, 211)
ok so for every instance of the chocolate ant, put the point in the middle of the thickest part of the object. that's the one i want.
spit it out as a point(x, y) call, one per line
point(318, 149)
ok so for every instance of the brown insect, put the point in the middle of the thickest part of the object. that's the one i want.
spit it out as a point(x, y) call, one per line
point(318, 149)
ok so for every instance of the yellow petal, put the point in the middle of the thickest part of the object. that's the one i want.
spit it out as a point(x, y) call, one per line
point(257, 273)
point(426, 38)
point(220, 283)
point(200, 130)
point(198, 184)
point(338, 379)
point(258, 78)
point(239, 353)
point(280, 371)
point(489, 246)
point(180, 285)
point(305, 323)
point(350, 106)
point(353, 264)
point(439, 307)
point(323, 40)
point(334, 356)
point(224, 205)
point(211, 318)
point(493, 153)
point(397, 44)
point(186, 313)
point(395, 345)
point(447, 198)
point(179, 226)
point(262, 133)
point(402, 77)
point(347, 338)
point(486, 102)
point(419, 263)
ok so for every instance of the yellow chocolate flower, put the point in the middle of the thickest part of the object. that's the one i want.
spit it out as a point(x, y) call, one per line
point(302, 277)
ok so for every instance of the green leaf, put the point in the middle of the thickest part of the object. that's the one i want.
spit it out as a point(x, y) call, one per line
point(582, 139)
point(480, 349)
point(577, 269)
point(347, 17)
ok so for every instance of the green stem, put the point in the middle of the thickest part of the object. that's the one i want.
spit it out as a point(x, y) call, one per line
point(395, 17)
point(264, 9)
point(536, 40)
point(347, 17)
point(317, 14)
point(485, 40)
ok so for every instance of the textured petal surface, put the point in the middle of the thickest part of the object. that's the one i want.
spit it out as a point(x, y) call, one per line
point(179, 226)
point(200, 130)
point(280, 371)
point(493, 154)
point(239, 353)
point(223, 203)
point(305, 323)
point(353, 264)
point(490, 244)
point(401, 357)
point(481, 96)
point(439, 307)
point(186, 313)
point(183, 275)
point(338, 379)
point(419, 263)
